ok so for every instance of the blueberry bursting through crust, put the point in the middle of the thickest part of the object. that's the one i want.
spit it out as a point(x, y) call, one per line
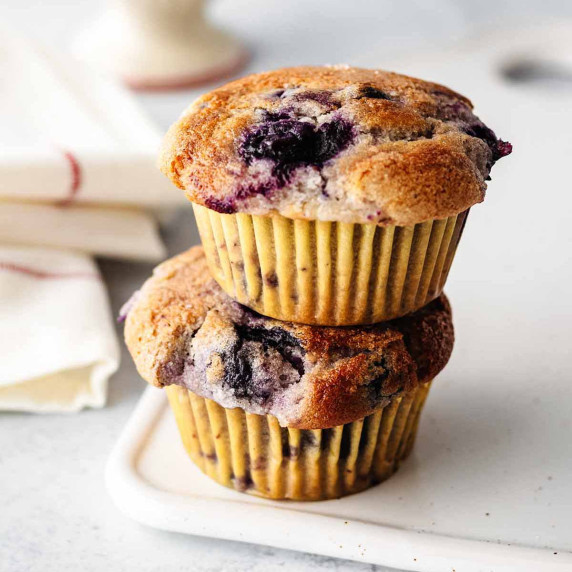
point(238, 374)
point(290, 143)
point(462, 115)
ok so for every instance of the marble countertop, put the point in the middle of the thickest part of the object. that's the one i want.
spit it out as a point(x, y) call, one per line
point(55, 513)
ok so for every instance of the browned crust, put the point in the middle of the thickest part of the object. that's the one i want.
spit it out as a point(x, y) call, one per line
point(168, 308)
point(421, 167)
point(173, 304)
point(415, 349)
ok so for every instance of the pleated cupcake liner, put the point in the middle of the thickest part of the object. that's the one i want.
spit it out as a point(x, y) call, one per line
point(328, 273)
point(254, 454)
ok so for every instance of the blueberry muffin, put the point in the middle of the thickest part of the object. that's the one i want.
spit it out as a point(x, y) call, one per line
point(331, 195)
point(279, 409)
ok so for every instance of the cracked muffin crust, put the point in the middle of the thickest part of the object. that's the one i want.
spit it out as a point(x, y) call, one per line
point(182, 329)
point(334, 144)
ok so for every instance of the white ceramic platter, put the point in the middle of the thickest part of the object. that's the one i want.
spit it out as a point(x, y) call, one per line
point(452, 505)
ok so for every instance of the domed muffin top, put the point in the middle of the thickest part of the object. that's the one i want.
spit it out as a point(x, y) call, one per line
point(182, 329)
point(333, 143)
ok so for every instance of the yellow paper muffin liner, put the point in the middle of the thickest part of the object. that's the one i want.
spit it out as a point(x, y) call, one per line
point(252, 453)
point(328, 273)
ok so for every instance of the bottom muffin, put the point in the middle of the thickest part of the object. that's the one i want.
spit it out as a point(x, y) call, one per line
point(254, 454)
point(279, 409)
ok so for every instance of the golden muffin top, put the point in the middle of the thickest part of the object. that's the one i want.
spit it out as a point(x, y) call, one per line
point(333, 143)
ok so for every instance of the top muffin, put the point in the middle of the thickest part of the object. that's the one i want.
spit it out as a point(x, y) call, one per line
point(333, 143)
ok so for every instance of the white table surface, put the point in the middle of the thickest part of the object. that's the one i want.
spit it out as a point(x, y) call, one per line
point(54, 511)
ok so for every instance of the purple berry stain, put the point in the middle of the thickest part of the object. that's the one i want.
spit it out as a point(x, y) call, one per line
point(238, 372)
point(461, 114)
point(498, 147)
point(290, 143)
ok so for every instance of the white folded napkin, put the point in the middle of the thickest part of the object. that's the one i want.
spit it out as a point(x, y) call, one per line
point(112, 232)
point(57, 336)
point(72, 138)
point(77, 177)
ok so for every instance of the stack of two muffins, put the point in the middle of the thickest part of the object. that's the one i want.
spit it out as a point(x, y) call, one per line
point(298, 348)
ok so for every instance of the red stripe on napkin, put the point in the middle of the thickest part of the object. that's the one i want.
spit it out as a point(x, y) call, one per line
point(43, 274)
point(76, 177)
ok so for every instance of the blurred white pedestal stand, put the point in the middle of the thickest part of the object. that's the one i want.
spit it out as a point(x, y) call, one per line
point(159, 44)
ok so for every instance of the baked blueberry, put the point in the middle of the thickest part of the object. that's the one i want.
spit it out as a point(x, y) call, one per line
point(289, 143)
